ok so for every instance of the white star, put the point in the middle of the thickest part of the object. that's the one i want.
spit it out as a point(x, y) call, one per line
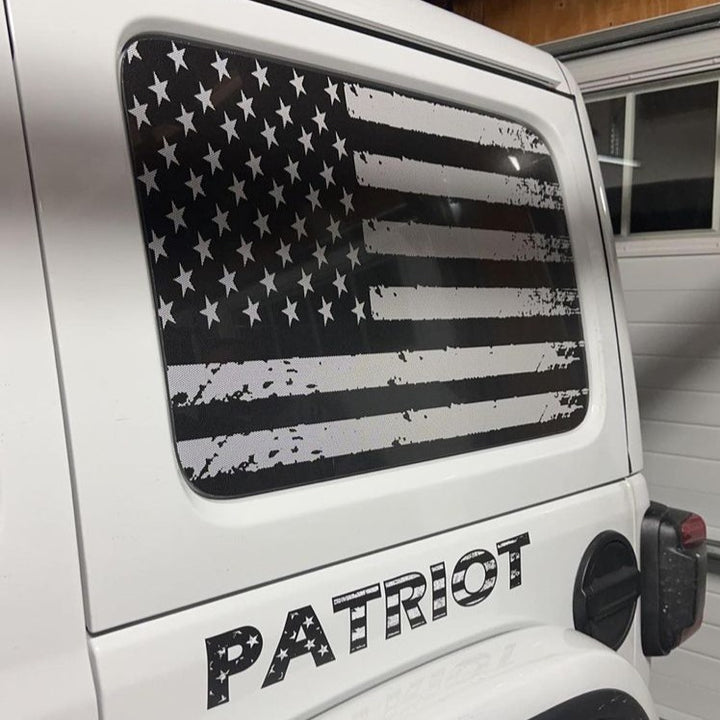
point(176, 215)
point(269, 282)
point(359, 310)
point(131, 53)
point(183, 279)
point(229, 127)
point(290, 311)
point(319, 120)
point(220, 220)
point(292, 170)
point(210, 312)
point(228, 280)
point(347, 201)
point(334, 229)
point(277, 193)
point(252, 641)
point(246, 105)
point(157, 246)
point(299, 226)
point(308, 622)
point(159, 88)
point(165, 312)
point(186, 120)
point(310, 644)
point(140, 112)
point(204, 97)
point(238, 189)
point(312, 196)
point(339, 145)
point(213, 158)
point(332, 91)
point(305, 140)
point(254, 164)
point(178, 57)
point(284, 253)
point(339, 283)
point(195, 184)
point(304, 282)
point(326, 311)
point(352, 256)
point(283, 652)
point(221, 66)
point(319, 254)
point(168, 152)
point(326, 175)
point(262, 224)
point(148, 179)
point(269, 134)
point(284, 112)
point(260, 74)
point(297, 82)
point(323, 650)
point(252, 312)
point(203, 248)
point(245, 250)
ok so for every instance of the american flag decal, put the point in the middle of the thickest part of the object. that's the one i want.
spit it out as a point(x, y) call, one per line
point(347, 277)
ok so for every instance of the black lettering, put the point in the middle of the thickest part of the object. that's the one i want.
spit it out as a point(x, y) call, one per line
point(512, 546)
point(439, 591)
point(413, 585)
point(228, 654)
point(460, 591)
point(301, 635)
point(357, 601)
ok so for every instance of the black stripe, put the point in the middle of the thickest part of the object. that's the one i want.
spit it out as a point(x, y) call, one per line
point(190, 341)
point(397, 206)
point(385, 140)
point(228, 418)
point(239, 483)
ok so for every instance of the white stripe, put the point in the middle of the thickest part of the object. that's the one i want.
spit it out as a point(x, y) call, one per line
point(263, 449)
point(260, 379)
point(424, 116)
point(416, 176)
point(445, 303)
point(440, 241)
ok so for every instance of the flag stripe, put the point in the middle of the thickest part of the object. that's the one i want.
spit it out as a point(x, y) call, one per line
point(416, 176)
point(443, 241)
point(396, 206)
point(443, 150)
point(444, 303)
point(258, 379)
point(222, 418)
point(400, 111)
point(262, 449)
point(278, 342)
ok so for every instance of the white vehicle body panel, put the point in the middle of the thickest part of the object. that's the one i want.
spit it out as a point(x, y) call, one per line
point(141, 526)
point(42, 634)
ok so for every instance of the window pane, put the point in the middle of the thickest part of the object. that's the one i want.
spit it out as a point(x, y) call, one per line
point(347, 277)
point(607, 118)
point(675, 151)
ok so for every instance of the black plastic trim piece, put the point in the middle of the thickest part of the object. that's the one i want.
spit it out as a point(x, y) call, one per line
point(606, 704)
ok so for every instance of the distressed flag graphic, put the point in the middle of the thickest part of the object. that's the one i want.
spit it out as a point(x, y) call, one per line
point(347, 277)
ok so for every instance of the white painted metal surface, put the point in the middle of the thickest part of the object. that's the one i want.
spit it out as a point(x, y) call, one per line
point(44, 664)
point(141, 526)
point(160, 666)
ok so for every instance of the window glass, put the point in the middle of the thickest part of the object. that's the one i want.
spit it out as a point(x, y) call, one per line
point(347, 277)
point(675, 153)
point(607, 118)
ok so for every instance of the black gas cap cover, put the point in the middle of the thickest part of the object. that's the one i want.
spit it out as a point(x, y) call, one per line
point(607, 587)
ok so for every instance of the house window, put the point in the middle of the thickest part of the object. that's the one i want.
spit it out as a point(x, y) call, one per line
point(657, 151)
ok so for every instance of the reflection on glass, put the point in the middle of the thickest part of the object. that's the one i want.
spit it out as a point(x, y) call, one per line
point(607, 118)
point(675, 149)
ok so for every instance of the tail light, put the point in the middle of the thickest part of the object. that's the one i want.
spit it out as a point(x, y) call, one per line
point(673, 563)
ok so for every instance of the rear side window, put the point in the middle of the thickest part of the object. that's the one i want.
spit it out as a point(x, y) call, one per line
point(348, 277)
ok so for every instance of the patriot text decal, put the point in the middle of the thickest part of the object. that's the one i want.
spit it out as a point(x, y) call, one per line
point(347, 277)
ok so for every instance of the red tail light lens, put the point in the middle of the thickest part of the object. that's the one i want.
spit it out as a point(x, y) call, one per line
point(693, 531)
